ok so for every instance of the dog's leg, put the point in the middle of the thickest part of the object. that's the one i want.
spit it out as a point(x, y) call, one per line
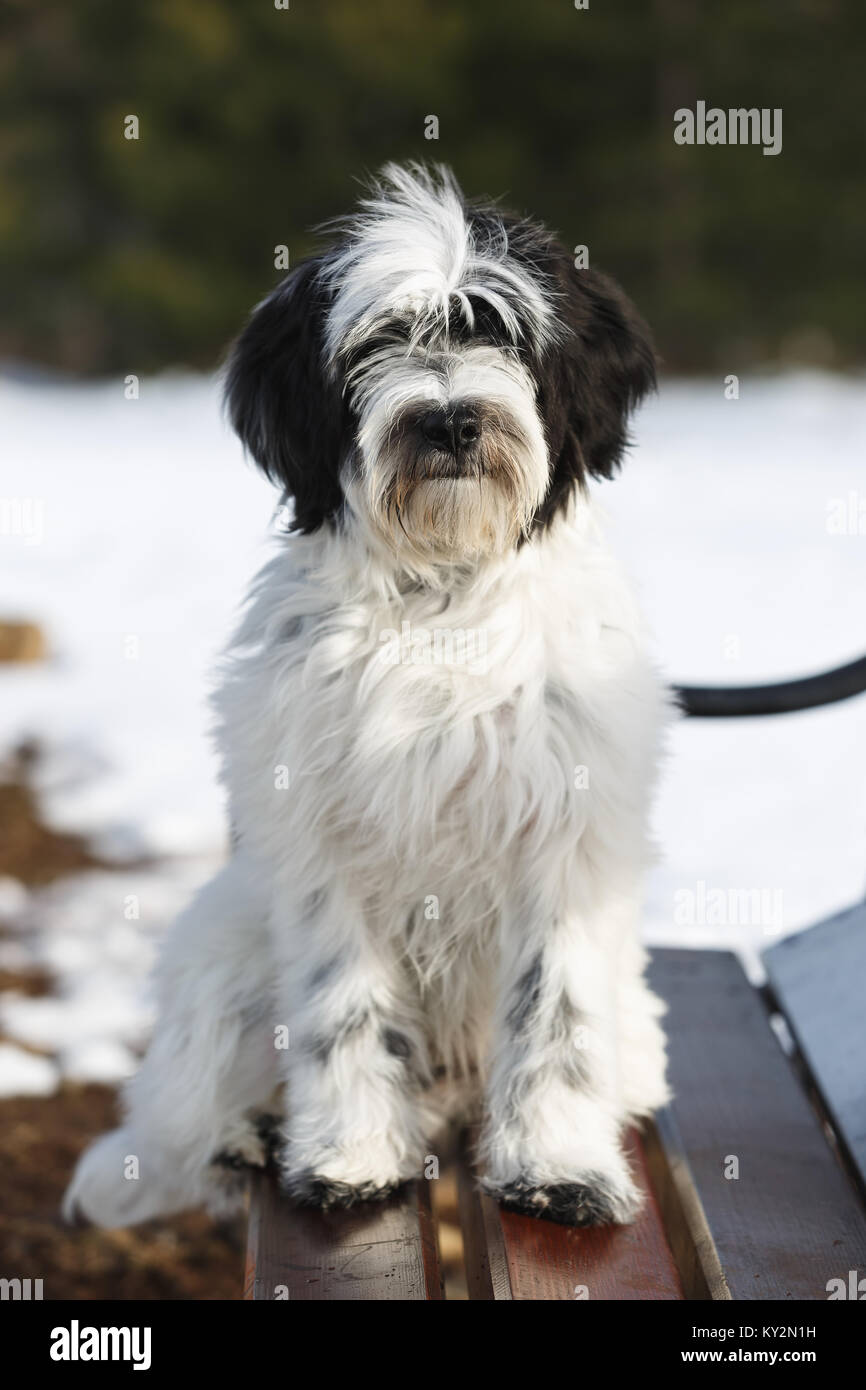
point(193, 1112)
point(551, 1142)
point(357, 1062)
point(643, 1054)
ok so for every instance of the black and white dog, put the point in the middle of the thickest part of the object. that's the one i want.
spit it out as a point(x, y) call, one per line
point(439, 728)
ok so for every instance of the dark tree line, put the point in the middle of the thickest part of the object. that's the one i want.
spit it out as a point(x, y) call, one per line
point(130, 255)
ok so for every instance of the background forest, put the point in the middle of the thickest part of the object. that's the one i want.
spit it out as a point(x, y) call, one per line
point(120, 254)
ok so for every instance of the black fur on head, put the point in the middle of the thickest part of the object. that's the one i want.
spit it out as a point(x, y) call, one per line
point(599, 370)
point(289, 414)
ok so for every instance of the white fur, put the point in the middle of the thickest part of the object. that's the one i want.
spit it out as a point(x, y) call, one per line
point(446, 518)
point(440, 907)
point(409, 781)
point(411, 251)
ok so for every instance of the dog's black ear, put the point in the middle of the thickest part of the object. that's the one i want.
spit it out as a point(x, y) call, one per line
point(287, 410)
point(591, 381)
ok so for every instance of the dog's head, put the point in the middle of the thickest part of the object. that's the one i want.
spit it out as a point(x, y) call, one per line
point(443, 373)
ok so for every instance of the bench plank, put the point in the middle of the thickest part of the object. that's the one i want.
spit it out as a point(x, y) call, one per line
point(791, 1221)
point(817, 979)
point(509, 1256)
point(383, 1251)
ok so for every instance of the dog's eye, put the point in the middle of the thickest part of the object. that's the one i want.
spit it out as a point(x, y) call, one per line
point(389, 336)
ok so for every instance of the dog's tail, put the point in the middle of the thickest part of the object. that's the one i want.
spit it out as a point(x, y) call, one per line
point(120, 1182)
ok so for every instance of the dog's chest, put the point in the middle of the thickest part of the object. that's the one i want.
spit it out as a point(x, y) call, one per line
point(439, 747)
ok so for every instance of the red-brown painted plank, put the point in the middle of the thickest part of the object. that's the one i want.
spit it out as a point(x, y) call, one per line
point(509, 1256)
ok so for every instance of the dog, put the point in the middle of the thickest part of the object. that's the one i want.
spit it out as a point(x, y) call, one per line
point(439, 729)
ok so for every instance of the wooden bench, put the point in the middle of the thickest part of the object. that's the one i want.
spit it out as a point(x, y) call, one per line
point(755, 1174)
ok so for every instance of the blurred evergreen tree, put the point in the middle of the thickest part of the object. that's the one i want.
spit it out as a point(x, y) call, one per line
point(129, 255)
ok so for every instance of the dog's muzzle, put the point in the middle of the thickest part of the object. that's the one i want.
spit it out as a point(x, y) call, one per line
point(450, 436)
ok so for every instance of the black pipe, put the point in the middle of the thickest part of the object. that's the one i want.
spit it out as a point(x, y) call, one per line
point(736, 701)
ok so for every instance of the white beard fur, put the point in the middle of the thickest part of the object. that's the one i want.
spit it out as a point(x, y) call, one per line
point(432, 890)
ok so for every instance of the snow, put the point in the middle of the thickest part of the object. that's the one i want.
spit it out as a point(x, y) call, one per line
point(727, 519)
point(146, 527)
point(130, 529)
point(23, 1074)
point(96, 935)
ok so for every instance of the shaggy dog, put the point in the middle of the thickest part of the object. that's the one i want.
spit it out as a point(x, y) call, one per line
point(439, 729)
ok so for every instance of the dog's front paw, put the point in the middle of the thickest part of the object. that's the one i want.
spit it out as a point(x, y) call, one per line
point(331, 1194)
point(589, 1201)
point(346, 1171)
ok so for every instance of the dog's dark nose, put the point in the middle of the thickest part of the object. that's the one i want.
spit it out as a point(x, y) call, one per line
point(466, 425)
point(436, 429)
point(452, 430)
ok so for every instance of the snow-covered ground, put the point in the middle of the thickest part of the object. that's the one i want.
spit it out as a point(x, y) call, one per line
point(129, 528)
